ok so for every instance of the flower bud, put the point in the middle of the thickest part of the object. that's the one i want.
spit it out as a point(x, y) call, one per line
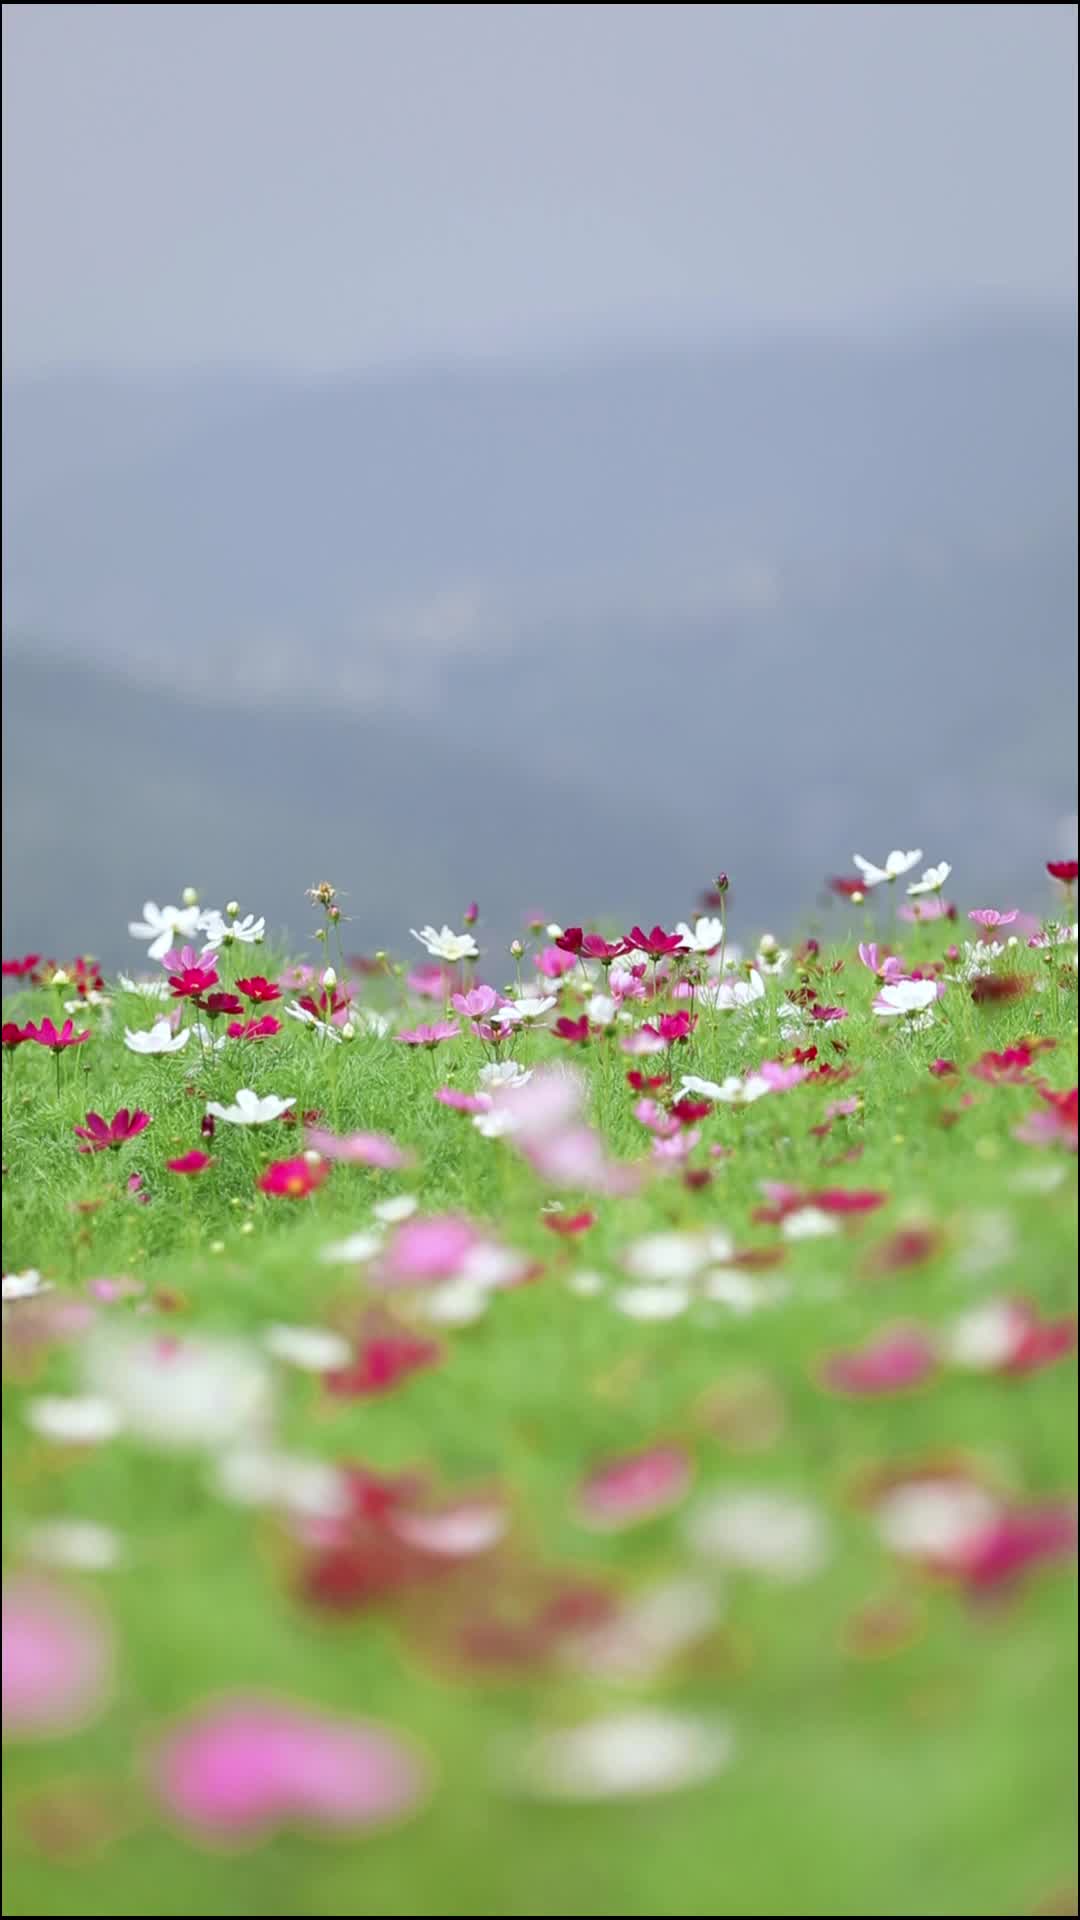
point(232, 908)
point(329, 978)
point(858, 899)
point(348, 1031)
point(471, 914)
point(721, 883)
point(190, 897)
point(320, 933)
point(517, 948)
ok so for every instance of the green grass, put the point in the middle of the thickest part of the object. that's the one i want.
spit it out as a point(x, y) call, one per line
point(937, 1778)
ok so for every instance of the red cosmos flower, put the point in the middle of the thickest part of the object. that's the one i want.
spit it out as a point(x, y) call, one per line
point(656, 943)
point(13, 1035)
point(193, 1162)
point(86, 975)
point(1039, 1342)
point(256, 987)
point(1008, 1068)
point(1054, 1124)
point(893, 1363)
point(215, 1004)
point(824, 1014)
point(986, 988)
point(846, 1199)
point(845, 885)
point(1064, 870)
point(646, 1082)
point(800, 1055)
point(262, 1029)
point(941, 1069)
point(98, 1134)
point(293, 1179)
point(568, 1222)
point(689, 1112)
point(24, 969)
point(190, 982)
point(671, 1027)
point(907, 1247)
point(577, 1032)
point(46, 1035)
point(569, 941)
point(1018, 1539)
point(325, 1004)
point(381, 1363)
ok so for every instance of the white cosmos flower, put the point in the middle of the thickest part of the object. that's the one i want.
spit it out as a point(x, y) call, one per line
point(601, 1009)
point(80, 1544)
point(399, 1207)
point(725, 995)
point(656, 1302)
point(499, 1074)
point(446, 944)
point(92, 1001)
point(703, 936)
point(931, 1519)
point(808, 1223)
point(312, 1349)
point(771, 957)
point(219, 931)
point(24, 1286)
point(771, 1533)
point(160, 1039)
point(741, 1292)
point(905, 998)
point(985, 1337)
point(667, 1256)
point(522, 1012)
point(933, 879)
point(457, 1303)
point(156, 989)
point(367, 1020)
point(253, 1477)
point(896, 863)
point(165, 927)
point(496, 1124)
point(206, 1039)
point(733, 1092)
point(644, 1751)
point(178, 1392)
point(249, 1110)
point(74, 1420)
point(308, 1019)
point(357, 1248)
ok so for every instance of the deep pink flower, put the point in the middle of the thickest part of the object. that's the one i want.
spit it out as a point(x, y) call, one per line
point(429, 1036)
point(293, 1179)
point(216, 1004)
point(45, 1035)
point(263, 1028)
point(990, 917)
point(576, 1032)
point(569, 1223)
point(359, 1149)
point(570, 941)
point(646, 1083)
point(24, 969)
point(827, 1014)
point(57, 1659)
point(634, 1488)
point(464, 1102)
point(1064, 870)
point(98, 1134)
point(1054, 1124)
point(193, 1162)
point(248, 1765)
point(595, 947)
point(656, 944)
point(846, 1199)
point(256, 987)
point(907, 1247)
point(475, 1004)
point(553, 964)
point(1017, 1540)
point(942, 1068)
point(12, 1035)
point(892, 1363)
point(1009, 1068)
point(688, 1112)
point(190, 982)
point(381, 1362)
point(672, 1027)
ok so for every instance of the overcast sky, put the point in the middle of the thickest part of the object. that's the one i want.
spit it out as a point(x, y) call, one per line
point(328, 186)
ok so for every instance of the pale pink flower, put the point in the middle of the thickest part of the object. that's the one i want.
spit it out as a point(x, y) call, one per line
point(464, 1102)
point(57, 1659)
point(428, 1036)
point(886, 966)
point(634, 1488)
point(475, 1004)
point(423, 1252)
point(359, 1149)
point(990, 917)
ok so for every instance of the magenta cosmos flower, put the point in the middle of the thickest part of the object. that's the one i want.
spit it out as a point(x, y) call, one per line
point(245, 1766)
point(293, 1179)
point(258, 988)
point(57, 1659)
point(193, 1162)
point(625, 1491)
point(1052, 1125)
point(359, 1149)
point(99, 1134)
point(189, 982)
point(262, 1029)
point(46, 1035)
point(655, 943)
point(429, 1036)
point(894, 1362)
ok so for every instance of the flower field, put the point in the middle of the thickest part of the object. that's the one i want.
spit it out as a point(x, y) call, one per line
point(587, 1427)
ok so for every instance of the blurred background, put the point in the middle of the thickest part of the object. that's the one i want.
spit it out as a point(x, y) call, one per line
point(534, 453)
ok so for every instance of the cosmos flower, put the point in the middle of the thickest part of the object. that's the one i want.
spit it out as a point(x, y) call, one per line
point(932, 881)
point(225, 930)
point(259, 989)
point(705, 934)
point(896, 864)
point(358, 1149)
point(99, 1134)
point(250, 1109)
point(428, 1036)
point(727, 995)
point(46, 1034)
point(526, 1011)
point(906, 999)
point(293, 1179)
point(163, 927)
point(160, 1039)
point(656, 944)
point(193, 1162)
point(446, 944)
point(991, 917)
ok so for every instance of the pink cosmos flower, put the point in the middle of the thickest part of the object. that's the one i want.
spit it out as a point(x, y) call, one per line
point(386, 1355)
point(553, 964)
point(825, 1015)
point(568, 1223)
point(293, 1179)
point(942, 1069)
point(475, 1004)
point(1053, 1125)
point(245, 1766)
point(99, 1134)
point(23, 969)
point(193, 1162)
point(656, 944)
point(658, 1120)
point(645, 1041)
point(990, 917)
point(263, 1028)
point(1009, 1068)
point(930, 907)
point(57, 1659)
point(1010, 1337)
point(189, 982)
point(360, 1149)
point(429, 1036)
point(678, 1146)
point(12, 1035)
point(464, 1102)
point(634, 1488)
point(780, 1077)
point(1015, 1542)
point(672, 1027)
point(892, 1363)
point(885, 966)
point(575, 1032)
point(423, 1252)
point(45, 1034)
point(428, 982)
point(179, 958)
point(846, 1199)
